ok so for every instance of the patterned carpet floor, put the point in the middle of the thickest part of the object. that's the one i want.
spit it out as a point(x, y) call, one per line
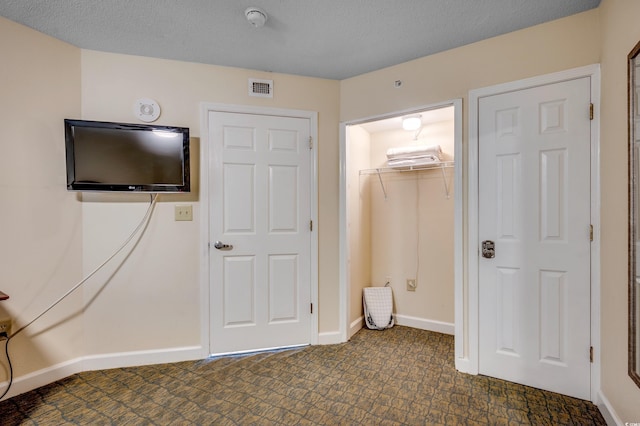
point(400, 376)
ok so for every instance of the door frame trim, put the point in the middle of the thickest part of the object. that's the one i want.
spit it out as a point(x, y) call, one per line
point(205, 109)
point(468, 360)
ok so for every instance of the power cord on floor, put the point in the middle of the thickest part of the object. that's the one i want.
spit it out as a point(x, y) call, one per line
point(8, 338)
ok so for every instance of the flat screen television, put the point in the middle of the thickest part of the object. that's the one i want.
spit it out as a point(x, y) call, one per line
point(105, 156)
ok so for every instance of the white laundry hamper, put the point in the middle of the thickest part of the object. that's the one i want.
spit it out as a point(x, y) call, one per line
point(378, 307)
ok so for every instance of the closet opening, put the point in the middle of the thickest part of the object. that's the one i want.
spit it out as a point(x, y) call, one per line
point(401, 215)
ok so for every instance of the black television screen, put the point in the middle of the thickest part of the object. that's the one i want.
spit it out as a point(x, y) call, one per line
point(104, 156)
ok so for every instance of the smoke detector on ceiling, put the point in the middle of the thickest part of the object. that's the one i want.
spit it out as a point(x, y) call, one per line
point(256, 16)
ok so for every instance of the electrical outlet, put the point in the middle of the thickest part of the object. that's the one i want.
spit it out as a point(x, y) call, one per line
point(184, 212)
point(411, 284)
point(387, 280)
point(5, 326)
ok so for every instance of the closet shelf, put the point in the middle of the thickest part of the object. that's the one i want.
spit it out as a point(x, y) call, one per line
point(436, 166)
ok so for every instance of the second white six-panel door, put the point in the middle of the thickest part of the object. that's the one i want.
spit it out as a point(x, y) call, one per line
point(534, 204)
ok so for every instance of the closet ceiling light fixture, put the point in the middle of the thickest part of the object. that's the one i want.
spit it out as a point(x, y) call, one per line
point(256, 16)
point(412, 122)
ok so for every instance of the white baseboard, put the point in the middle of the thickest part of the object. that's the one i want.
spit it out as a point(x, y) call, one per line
point(355, 326)
point(426, 324)
point(136, 358)
point(59, 371)
point(463, 366)
point(329, 338)
point(607, 410)
point(42, 377)
point(420, 323)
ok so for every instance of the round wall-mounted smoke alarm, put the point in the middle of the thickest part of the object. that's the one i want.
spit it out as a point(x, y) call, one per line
point(146, 110)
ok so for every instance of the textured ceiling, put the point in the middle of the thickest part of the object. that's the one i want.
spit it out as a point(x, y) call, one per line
point(333, 39)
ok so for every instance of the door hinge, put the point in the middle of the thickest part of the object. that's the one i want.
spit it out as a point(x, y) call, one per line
point(311, 225)
point(310, 142)
point(591, 354)
point(590, 111)
point(311, 307)
point(590, 232)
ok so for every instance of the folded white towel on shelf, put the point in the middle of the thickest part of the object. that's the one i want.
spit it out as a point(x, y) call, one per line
point(411, 162)
point(414, 151)
point(410, 156)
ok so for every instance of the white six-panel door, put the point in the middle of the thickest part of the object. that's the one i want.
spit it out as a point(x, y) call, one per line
point(534, 204)
point(260, 209)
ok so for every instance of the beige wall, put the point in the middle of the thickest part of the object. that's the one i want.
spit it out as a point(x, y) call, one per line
point(40, 221)
point(554, 46)
point(620, 33)
point(157, 291)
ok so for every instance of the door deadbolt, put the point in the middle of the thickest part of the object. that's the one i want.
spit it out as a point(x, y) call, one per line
point(488, 249)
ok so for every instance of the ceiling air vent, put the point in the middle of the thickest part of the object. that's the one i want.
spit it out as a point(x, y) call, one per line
point(261, 88)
